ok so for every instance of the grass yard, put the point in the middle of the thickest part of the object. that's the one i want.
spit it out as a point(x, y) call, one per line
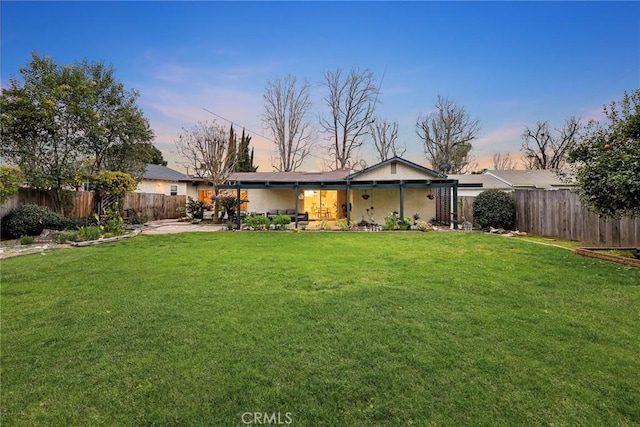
point(333, 329)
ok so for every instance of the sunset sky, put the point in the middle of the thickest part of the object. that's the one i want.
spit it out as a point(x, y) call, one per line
point(510, 64)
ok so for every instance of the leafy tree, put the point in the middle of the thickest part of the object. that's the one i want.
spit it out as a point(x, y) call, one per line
point(606, 162)
point(156, 157)
point(11, 178)
point(447, 133)
point(60, 116)
point(245, 158)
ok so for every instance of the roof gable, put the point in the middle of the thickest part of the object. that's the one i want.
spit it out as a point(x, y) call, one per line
point(395, 168)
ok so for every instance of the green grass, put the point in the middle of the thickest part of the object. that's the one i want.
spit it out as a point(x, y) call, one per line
point(336, 329)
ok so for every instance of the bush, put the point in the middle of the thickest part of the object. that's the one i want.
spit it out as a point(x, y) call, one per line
point(257, 222)
point(66, 236)
point(92, 232)
point(26, 240)
point(494, 208)
point(423, 226)
point(345, 225)
point(30, 220)
point(281, 221)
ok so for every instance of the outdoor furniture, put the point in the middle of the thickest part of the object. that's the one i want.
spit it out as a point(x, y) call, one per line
point(302, 216)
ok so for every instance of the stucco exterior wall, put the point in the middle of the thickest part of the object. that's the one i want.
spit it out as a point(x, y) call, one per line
point(387, 201)
point(261, 201)
point(402, 172)
point(161, 187)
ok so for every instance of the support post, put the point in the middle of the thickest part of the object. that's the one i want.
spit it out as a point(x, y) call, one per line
point(455, 204)
point(295, 204)
point(348, 202)
point(402, 201)
point(238, 219)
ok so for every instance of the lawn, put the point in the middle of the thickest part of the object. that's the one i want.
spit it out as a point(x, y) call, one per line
point(315, 328)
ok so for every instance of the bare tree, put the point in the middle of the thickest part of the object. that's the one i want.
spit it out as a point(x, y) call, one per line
point(206, 149)
point(447, 133)
point(384, 135)
point(351, 99)
point(287, 105)
point(503, 162)
point(545, 149)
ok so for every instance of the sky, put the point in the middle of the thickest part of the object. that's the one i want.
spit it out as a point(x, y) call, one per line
point(509, 64)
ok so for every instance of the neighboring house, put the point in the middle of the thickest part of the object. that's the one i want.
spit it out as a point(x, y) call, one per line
point(160, 179)
point(509, 180)
point(529, 180)
point(395, 185)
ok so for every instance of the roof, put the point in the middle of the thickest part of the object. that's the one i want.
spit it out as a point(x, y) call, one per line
point(337, 175)
point(542, 179)
point(487, 181)
point(163, 173)
point(398, 160)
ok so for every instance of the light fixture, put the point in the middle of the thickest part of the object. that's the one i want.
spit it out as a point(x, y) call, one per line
point(365, 196)
point(301, 196)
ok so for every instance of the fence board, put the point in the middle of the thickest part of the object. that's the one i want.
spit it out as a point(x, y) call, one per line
point(560, 214)
point(153, 206)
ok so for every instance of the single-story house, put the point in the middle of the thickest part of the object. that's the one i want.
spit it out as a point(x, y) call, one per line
point(509, 180)
point(369, 195)
point(160, 179)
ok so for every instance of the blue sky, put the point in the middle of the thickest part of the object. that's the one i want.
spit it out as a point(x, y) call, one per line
point(510, 64)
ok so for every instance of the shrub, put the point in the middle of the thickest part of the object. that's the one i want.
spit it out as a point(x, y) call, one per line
point(344, 224)
point(281, 221)
point(494, 208)
point(30, 220)
point(66, 236)
point(138, 218)
point(423, 226)
point(26, 240)
point(257, 222)
point(93, 232)
point(195, 208)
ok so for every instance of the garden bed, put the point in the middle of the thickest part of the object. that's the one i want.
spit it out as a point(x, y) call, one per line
point(610, 254)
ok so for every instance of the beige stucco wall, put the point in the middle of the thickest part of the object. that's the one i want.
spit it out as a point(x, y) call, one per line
point(160, 187)
point(402, 172)
point(260, 201)
point(386, 201)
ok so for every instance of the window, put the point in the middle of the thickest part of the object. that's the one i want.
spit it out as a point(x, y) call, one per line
point(393, 168)
point(174, 190)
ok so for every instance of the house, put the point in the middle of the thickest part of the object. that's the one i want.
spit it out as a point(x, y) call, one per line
point(160, 179)
point(369, 195)
point(509, 180)
point(529, 179)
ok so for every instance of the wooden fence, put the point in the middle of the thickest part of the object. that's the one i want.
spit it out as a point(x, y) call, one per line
point(82, 204)
point(155, 206)
point(560, 214)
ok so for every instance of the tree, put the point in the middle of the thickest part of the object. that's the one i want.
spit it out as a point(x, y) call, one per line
point(60, 116)
point(245, 159)
point(384, 135)
point(11, 178)
point(503, 162)
point(156, 157)
point(351, 99)
point(544, 149)
point(606, 161)
point(287, 104)
point(447, 133)
point(207, 149)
